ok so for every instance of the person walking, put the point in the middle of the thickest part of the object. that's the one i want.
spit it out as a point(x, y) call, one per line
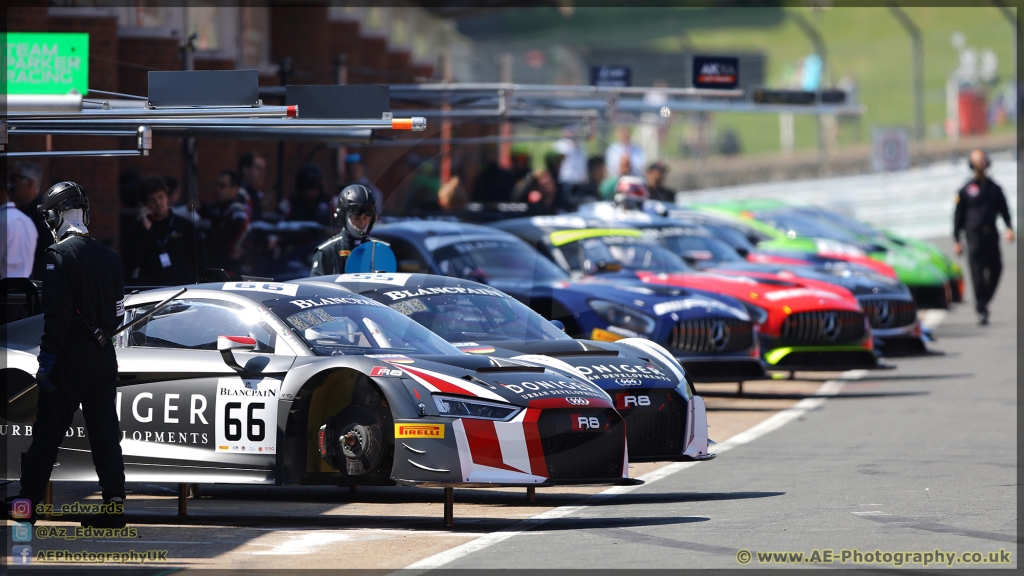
point(978, 204)
point(83, 303)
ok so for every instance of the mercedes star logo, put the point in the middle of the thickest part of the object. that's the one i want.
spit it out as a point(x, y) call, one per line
point(883, 314)
point(719, 335)
point(830, 326)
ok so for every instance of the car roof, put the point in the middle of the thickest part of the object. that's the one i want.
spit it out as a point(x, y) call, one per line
point(256, 291)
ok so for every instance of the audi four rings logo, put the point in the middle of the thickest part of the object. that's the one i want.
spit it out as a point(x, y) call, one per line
point(578, 401)
point(719, 335)
point(830, 326)
point(628, 381)
point(884, 314)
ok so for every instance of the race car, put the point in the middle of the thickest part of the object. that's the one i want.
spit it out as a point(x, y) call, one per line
point(803, 324)
point(887, 303)
point(711, 335)
point(283, 383)
point(794, 231)
point(665, 420)
point(942, 261)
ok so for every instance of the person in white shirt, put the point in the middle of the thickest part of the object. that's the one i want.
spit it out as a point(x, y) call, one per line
point(19, 236)
point(623, 147)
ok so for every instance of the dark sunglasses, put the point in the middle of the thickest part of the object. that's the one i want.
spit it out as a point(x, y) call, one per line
point(367, 213)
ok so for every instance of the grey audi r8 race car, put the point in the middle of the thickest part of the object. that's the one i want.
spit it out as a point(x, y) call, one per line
point(283, 383)
point(665, 420)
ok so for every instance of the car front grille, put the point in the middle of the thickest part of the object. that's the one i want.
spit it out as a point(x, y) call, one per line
point(711, 335)
point(656, 428)
point(884, 313)
point(822, 327)
point(581, 454)
point(931, 296)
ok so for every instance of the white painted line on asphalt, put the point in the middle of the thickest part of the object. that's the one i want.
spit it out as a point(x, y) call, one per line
point(774, 422)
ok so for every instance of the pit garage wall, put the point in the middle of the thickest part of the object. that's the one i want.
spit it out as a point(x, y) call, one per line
point(120, 63)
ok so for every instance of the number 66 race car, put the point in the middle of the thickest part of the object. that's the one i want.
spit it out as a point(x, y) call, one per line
point(282, 383)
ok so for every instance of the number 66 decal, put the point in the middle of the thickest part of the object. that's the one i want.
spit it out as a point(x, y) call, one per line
point(247, 415)
point(256, 429)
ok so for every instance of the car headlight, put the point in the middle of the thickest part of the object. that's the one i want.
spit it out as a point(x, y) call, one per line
point(619, 315)
point(758, 315)
point(464, 408)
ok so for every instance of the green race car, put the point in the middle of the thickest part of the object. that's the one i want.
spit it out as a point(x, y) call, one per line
point(934, 279)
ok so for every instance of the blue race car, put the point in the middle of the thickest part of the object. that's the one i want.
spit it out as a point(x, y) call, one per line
point(665, 420)
point(711, 335)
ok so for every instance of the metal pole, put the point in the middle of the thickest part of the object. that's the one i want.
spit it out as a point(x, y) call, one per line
point(341, 77)
point(190, 182)
point(1011, 17)
point(819, 48)
point(505, 129)
point(449, 506)
point(182, 499)
point(446, 123)
point(917, 45)
point(284, 71)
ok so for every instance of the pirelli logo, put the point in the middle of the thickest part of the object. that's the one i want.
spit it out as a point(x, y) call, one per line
point(419, 431)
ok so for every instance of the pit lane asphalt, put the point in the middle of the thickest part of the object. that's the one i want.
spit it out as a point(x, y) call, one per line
point(934, 469)
point(924, 458)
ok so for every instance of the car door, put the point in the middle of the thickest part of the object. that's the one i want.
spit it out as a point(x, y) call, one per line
point(185, 414)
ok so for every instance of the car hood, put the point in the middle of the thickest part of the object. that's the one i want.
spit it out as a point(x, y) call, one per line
point(858, 281)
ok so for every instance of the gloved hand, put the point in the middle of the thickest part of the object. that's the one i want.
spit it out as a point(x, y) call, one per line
point(46, 361)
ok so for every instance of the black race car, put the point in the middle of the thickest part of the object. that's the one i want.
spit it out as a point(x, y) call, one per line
point(664, 419)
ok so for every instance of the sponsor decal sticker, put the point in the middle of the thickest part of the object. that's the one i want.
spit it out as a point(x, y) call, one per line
point(628, 381)
point(246, 415)
point(800, 293)
point(623, 372)
point(627, 401)
point(269, 287)
point(576, 401)
point(395, 279)
point(385, 371)
point(688, 303)
point(581, 423)
point(419, 431)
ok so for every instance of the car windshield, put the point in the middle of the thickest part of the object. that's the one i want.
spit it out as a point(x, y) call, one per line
point(356, 325)
point(497, 259)
point(804, 226)
point(478, 317)
point(845, 221)
point(701, 249)
point(632, 252)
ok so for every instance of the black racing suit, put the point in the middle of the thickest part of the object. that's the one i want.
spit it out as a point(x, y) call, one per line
point(978, 204)
point(82, 289)
point(331, 256)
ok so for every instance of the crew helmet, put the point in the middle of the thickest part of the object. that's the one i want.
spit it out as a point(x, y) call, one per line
point(61, 197)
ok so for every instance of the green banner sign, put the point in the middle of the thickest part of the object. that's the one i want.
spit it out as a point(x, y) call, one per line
point(46, 62)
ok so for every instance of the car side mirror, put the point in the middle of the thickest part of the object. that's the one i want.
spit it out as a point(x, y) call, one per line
point(558, 324)
point(228, 344)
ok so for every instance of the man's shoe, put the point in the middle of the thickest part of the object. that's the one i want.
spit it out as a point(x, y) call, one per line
point(111, 518)
point(983, 318)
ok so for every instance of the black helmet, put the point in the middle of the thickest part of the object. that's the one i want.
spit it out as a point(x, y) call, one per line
point(357, 199)
point(61, 197)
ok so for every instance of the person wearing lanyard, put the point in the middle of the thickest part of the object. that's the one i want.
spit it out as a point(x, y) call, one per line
point(160, 247)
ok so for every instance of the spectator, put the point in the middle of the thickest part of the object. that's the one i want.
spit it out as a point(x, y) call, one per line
point(607, 188)
point(229, 223)
point(539, 191)
point(310, 202)
point(573, 170)
point(253, 168)
point(160, 247)
point(25, 190)
point(656, 183)
point(452, 197)
point(356, 174)
point(179, 207)
point(596, 173)
point(19, 237)
point(620, 148)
